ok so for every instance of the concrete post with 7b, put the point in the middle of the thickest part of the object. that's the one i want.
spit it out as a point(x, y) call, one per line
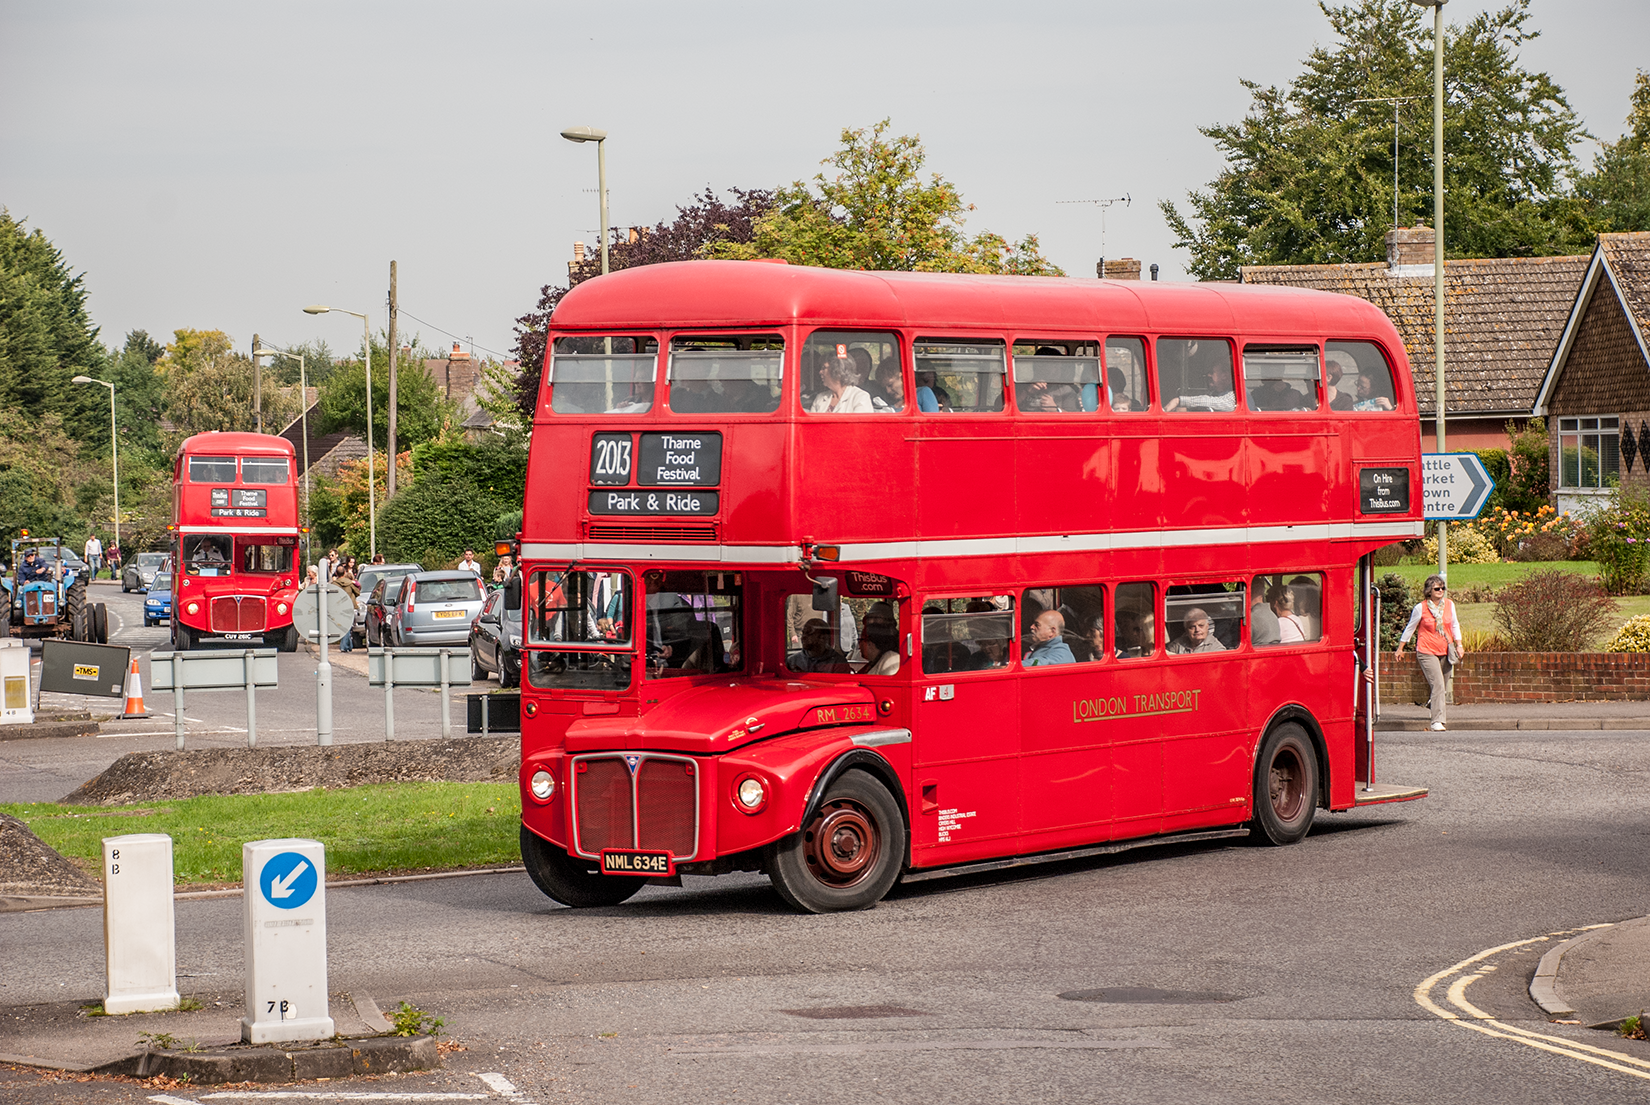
point(286, 941)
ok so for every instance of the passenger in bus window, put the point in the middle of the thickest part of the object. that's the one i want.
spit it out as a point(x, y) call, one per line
point(816, 653)
point(1373, 395)
point(842, 394)
point(926, 399)
point(1117, 390)
point(640, 401)
point(1277, 394)
point(1338, 363)
point(889, 397)
point(1198, 635)
point(1263, 621)
point(1048, 641)
point(1282, 601)
point(879, 641)
point(1134, 635)
point(1094, 638)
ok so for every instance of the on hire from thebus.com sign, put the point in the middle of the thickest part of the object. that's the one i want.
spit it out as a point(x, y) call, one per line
point(659, 474)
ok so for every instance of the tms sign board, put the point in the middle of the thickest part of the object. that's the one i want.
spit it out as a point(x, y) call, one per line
point(1455, 486)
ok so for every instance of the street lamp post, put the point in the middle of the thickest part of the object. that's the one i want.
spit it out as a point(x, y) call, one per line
point(591, 134)
point(114, 446)
point(372, 473)
point(1437, 7)
point(261, 350)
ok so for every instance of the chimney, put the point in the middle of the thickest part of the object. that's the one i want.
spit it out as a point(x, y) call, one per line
point(458, 354)
point(1409, 251)
point(1124, 268)
point(578, 259)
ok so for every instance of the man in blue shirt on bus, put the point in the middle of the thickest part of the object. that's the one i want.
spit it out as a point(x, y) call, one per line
point(1050, 646)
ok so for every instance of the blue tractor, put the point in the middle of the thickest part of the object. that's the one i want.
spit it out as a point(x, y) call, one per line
point(50, 599)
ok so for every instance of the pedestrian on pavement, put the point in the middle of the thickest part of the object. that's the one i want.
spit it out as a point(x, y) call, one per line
point(470, 563)
point(1438, 647)
point(94, 554)
point(114, 561)
point(502, 570)
point(345, 580)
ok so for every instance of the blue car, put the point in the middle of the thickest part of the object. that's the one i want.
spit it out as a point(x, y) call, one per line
point(157, 604)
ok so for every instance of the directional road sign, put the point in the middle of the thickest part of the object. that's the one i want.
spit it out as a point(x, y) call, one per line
point(1455, 486)
point(288, 881)
point(306, 613)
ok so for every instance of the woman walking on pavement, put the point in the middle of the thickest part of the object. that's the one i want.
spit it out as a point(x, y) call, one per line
point(1438, 648)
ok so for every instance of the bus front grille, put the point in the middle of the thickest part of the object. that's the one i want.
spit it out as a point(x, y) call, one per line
point(238, 614)
point(654, 808)
point(676, 535)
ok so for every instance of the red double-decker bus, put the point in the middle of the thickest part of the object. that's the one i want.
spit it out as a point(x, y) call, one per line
point(235, 551)
point(851, 577)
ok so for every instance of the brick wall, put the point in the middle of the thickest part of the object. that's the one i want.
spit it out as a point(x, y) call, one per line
point(1528, 677)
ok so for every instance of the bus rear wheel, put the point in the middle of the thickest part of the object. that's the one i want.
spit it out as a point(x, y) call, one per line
point(848, 854)
point(570, 880)
point(1286, 785)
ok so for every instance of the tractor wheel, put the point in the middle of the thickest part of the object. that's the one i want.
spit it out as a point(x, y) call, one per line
point(75, 601)
point(80, 625)
point(100, 623)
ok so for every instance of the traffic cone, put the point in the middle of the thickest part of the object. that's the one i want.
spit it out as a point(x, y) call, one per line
point(134, 693)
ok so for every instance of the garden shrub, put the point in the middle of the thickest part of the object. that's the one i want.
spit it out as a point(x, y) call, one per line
point(1618, 533)
point(1396, 603)
point(1390, 556)
point(1552, 611)
point(434, 521)
point(1541, 534)
point(1634, 636)
point(1467, 545)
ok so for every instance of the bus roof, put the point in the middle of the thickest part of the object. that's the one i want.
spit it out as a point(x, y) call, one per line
point(744, 294)
point(237, 443)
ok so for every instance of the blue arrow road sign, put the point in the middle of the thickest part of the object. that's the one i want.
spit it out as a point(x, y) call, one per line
point(288, 880)
point(1455, 486)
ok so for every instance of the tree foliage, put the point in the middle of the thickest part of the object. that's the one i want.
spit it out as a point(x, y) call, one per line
point(497, 464)
point(878, 213)
point(339, 509)
point(208, 386)
point(40, 469)
point(46, 334)
point(1308, 176)
point(1618, 188)
point(435, 520)
point(420, 408)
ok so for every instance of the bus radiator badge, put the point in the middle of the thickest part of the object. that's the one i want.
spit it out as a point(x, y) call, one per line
point(633, 762)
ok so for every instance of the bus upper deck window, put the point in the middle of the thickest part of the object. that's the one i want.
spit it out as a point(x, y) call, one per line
point(269, 470)
point(851, 372)
point(211, 469)
point(602, 375)
point(1281, 379)
point(1194, 375)
point(1126, 390)
point(959, 376)
point(1359, 377)
point(737, 374)
point(1056, 377)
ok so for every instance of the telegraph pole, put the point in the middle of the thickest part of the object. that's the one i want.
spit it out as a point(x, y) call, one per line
point(257, 388)
point(389, 476)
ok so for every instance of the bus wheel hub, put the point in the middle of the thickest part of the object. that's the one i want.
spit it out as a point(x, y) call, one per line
point(842, 843)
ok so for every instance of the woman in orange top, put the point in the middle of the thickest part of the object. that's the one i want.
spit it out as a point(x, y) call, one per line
point(1439, 645)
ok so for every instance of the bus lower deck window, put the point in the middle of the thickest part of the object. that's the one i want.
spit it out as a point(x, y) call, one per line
point(1135, 636)
point(602, 375)
point(1204, 617)
point(1287, 609)
point(266, 558)
point(692, 623)
point(852, 372)
point(967, 634)
point(1061, 622)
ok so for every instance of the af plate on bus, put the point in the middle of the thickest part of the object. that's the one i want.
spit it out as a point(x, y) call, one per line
point(637, 863)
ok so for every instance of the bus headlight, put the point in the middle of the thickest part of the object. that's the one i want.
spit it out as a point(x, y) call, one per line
point(543, 785)
point(194, 608)
point(280, 608)
point(750, 794)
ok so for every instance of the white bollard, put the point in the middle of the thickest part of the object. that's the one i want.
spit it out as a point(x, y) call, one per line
point(138, 924)
point(14, 678)
point(286, 941)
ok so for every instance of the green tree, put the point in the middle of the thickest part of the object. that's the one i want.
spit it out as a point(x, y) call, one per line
point(879, 213)
point(46, 335)
point(41, 468)
point(497, 464)
point(1308, 176)
point(1617, 190)
point(434, 521)
point(209, 387)
point(419, 405)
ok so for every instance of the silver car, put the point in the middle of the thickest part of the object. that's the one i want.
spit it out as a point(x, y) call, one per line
point(435, 608)
point(140, 571)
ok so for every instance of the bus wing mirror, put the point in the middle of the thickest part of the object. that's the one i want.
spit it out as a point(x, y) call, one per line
point(512, 592)
point(825, 594)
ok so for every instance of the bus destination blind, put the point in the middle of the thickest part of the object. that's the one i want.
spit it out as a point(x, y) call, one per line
point(691, 459)
point(635, 502)
point(239, 502)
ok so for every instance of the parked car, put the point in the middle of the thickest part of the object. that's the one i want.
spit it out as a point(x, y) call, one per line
point(71, 559)
point(140, 571)
point(157, 604)
point(434, 608)
point(495, 642)
point(376, 611)
point(369, 577)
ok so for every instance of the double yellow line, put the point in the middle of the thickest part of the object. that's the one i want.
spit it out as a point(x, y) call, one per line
point(1467, 1015)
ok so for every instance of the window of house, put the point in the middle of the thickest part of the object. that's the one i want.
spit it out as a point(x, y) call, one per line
point(602, 375)
point(1589, 452)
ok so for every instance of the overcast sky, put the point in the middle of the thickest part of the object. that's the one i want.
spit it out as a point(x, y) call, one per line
point(218, 166)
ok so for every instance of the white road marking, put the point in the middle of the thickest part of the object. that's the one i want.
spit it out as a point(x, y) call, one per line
point(166, 1100)
point(334, 1095)
point(924, 1045)
point(1470, 1016)
point(498, 1083)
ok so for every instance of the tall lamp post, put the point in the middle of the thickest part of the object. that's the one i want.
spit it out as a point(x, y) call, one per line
point(1437, 7)
point(114, 446)
point(372, 472)
point(591, 134)
point(261, 350)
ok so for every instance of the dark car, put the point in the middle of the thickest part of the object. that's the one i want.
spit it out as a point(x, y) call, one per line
point(141, 569)
point(370, 575)
point(157, 604)
point(495, 642)
point(378, 608)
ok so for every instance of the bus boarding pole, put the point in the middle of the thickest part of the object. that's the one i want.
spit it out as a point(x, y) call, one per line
point(323, 676)
point(1372, 642)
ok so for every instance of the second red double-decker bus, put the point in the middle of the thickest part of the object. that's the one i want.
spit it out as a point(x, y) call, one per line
point(851, 577)
point(235, 549)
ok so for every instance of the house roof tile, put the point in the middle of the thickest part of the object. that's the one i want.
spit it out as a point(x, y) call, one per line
point(1629, 258)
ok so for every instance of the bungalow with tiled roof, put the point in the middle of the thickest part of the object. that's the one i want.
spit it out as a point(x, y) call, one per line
point(1503, 317)
point(1596, 391)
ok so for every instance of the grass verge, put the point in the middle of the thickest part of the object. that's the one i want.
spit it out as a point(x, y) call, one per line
point(1491, 575)
point(392, 827)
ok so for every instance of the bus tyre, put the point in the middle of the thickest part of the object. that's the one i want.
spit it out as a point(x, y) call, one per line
point(283, 640)
point(570, 880)
point(1286, 785)
point(182, 639)
point(847, 856)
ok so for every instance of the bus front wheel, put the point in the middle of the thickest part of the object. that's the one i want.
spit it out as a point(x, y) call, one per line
point(848, 854)
point(1286, 785)
point(569, 880)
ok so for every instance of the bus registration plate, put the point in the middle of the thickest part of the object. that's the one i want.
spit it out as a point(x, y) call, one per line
point(637, 863)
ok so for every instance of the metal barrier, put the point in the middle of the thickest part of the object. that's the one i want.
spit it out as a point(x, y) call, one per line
point(215, 670)
point(417, 667)
point(493, 712)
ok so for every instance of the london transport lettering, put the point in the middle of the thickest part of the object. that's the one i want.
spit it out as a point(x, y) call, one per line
point(1112, 707)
